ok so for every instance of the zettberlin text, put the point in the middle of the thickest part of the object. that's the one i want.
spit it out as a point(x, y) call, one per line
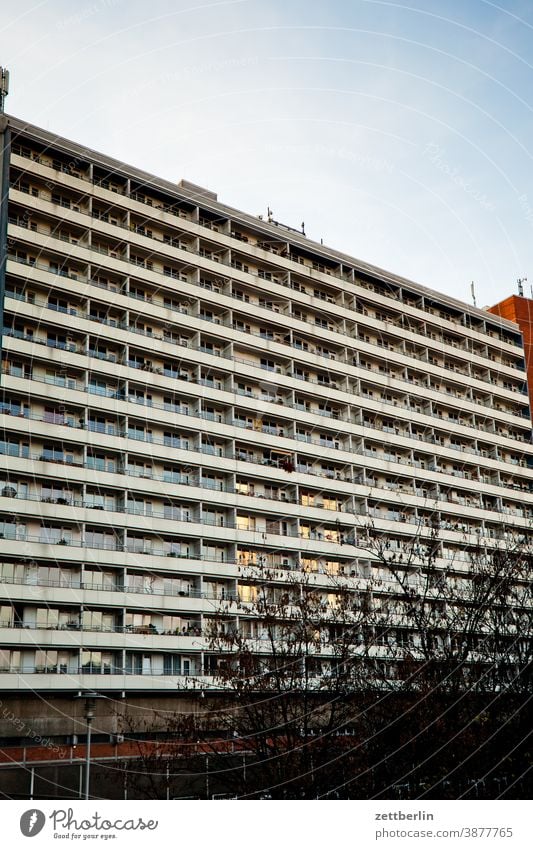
point(400, 815)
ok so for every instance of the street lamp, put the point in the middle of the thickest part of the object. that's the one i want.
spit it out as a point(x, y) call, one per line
point(88, 713)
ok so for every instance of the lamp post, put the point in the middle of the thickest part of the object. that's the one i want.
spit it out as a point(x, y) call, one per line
point(88, 713)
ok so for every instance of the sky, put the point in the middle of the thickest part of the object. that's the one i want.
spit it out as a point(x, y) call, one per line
point(400, 133)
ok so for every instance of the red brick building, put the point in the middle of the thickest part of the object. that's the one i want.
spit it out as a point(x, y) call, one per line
point(520, 310)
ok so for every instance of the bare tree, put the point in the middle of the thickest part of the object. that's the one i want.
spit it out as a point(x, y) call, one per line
point(413, 680)
point(459, 632)
point(288, 676)
point(457, 617)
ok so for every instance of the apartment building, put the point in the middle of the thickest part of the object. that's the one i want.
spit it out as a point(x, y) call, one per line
point(189, 392)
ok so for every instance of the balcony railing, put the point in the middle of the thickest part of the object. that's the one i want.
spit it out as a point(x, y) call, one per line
point(258, 334)
point(174, 209)
point(406, 404)
point(145, 630)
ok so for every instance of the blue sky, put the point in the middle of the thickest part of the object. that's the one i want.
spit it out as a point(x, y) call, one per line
point(399, 132)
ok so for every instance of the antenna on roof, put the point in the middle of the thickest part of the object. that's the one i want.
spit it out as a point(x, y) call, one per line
point(4, 87)
point(520, 283)
point(473, 293)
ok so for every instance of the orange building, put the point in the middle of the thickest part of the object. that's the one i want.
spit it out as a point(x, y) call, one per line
point(520, 310)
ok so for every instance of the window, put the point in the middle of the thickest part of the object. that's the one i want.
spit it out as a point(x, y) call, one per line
point(97, 661)
point(58, 340)
point(140, 507)
point(172, 665)
point(213, 552)
point(52, 661)
point(212, 482)
point(212, 414)
point(100, 539)
point(99, 424)
point(213, 517)
point(175, 440)
point(55, 493)
point(168, 271)
point(134, 663)
point(140, 433)
point(101, 463)
point(246, 523)
point(137, 396)
point(171, 370)
point(97, 387)
point(248, 593)
point(173, 475)
point(55, 454)
point(139, 469)
point(55, 535)
point(270, 365)
point(14, 448)
point(245, 389)
point(97, 501)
